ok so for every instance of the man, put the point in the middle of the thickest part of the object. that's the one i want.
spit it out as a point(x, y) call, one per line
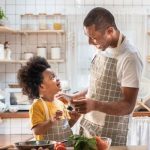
point(114, 80)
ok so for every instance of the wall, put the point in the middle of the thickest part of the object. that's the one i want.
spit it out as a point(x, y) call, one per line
point(74, 8)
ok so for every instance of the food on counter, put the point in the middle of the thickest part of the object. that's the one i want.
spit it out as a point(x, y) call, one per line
point(101, 144)
point(60, 146)
point(83, 143)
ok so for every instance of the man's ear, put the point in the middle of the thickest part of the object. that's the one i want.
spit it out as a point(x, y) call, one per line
point(110, 30)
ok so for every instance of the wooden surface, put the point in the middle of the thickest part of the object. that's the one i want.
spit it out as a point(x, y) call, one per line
point(6, 29)
point(14, 115)
point(26, 115)
point(10, 139)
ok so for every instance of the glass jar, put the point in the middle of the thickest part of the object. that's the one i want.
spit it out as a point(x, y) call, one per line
point(57, 25)
point(24, 25)
point(42, 21)
point(32, 22)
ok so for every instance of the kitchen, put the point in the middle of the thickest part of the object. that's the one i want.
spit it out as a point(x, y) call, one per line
point(54, 29)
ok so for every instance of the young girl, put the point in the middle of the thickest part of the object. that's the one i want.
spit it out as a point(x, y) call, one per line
point(49, 116)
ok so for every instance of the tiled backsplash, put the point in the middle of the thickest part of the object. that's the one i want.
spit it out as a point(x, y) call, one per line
point(20, 43)
point(15, 126)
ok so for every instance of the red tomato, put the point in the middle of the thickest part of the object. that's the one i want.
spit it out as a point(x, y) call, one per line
point(101, 144)
point(59, 146)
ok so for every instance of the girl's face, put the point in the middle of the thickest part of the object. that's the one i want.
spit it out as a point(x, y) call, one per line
point(50, 85)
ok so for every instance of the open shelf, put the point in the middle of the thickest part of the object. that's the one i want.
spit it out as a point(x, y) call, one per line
point(24, 61)
point(4, 29)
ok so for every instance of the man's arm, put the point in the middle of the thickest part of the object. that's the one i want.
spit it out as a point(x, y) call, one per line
point(80, 94)
point(122, 107)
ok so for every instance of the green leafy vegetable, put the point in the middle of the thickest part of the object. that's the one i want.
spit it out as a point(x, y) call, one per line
point(82, 143)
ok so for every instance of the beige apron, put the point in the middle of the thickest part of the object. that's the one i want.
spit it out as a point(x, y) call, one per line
point(59, 131)
point(104, 86)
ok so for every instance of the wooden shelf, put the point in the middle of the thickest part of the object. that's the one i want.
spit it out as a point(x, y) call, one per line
point(4, 29)
point(141, 114)
point(41, 31)
point(6, 115)
point(24, 61)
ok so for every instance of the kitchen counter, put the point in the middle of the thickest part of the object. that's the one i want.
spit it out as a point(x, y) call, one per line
point(10, 139)
point(25, 114)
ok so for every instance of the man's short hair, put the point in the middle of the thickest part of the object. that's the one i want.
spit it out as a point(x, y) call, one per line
point(101, 18)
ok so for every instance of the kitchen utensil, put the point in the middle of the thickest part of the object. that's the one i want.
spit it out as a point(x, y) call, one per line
point(14, 85)
point(41, 51)
point(35, 145)
point(55, 53)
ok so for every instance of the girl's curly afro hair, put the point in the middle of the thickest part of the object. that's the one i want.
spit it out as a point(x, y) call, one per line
point(30, 76)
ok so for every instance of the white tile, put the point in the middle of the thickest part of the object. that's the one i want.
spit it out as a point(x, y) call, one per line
point(60, 2)
point(15, 123)
point(39, 2)
point(52, 2)
point(70, 10)
point(42, 39)
point(2, 86)
point(10, 9)
point(40, 9)
point(2, 2)
point(10, 68)
point(70, 2)
point(2, 77)
point(31, 9)
point(11, 38)
point(61, 68)
point(60, 9)
point(26, 131)
point(146, 2)
point(89, 2)
point(62, 76)
point(25, 122)
point(10, 2)
point(119, 2)
point(5, 130)
point(50, 9)
point(10, 77)
point(30, 2)
point(33, 39)
point(20, 9)
point(5, 123)
point(2, 66)
point(15, 130)
point(100, 2)
point(108, 2)
point(21, 2)
point(137, 2)
point(128, 2)
point(18, 39)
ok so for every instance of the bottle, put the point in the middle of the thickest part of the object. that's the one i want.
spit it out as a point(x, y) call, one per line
point(2, 51)
point(7, 51)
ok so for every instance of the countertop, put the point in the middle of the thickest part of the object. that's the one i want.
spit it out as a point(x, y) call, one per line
point(8, 140)
point(25, 114)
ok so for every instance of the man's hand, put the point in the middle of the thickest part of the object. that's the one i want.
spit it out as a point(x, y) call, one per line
point(84, 105)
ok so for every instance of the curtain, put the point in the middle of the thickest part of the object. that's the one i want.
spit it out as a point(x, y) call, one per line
point(139, 131)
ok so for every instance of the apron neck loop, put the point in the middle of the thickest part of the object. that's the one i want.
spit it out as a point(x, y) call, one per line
point(118, 44)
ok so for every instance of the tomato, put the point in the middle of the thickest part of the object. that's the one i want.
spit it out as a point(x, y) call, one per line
point(101, 144)
point(59, 146)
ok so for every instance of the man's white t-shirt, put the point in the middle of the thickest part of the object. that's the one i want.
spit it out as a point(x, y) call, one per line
point(129, 65)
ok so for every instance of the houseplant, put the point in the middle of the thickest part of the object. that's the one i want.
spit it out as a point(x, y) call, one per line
point(2, 17)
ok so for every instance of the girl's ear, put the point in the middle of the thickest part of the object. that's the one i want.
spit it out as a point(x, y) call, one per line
point(41, 87)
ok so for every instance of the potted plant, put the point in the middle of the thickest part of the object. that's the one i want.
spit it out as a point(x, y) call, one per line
point(2, 17)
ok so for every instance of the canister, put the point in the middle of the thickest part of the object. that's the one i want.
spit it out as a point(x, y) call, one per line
point(2, 54)
point(41, 51)
point(28, 55)
point(55, 52)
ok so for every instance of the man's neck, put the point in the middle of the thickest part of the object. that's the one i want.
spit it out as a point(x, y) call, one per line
point(115, 39)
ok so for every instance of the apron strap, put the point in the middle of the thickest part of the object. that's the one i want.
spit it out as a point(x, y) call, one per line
point(46, 110)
